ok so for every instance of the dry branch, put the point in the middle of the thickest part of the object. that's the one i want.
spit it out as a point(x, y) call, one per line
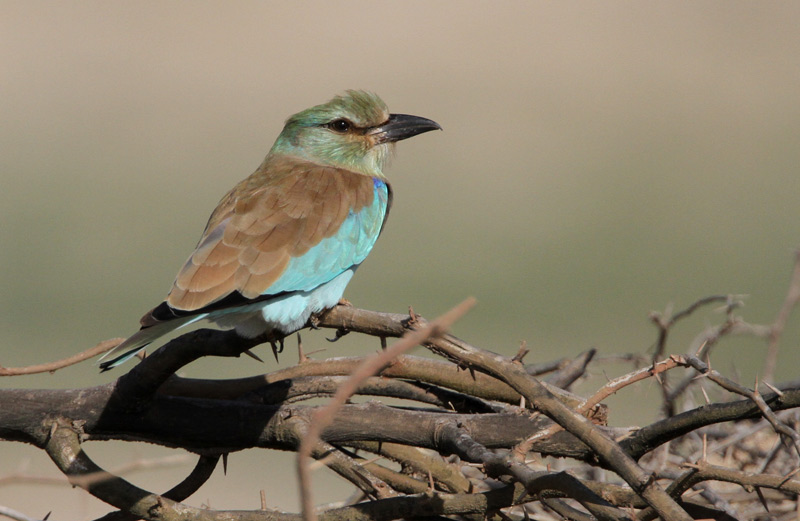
point(478, 436)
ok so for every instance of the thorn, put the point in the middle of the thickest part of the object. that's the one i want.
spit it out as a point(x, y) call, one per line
point(383, 343)
point(705, 395)
point(263, 500)
point(413, 318)
point(523, 350)
point(253, 355)
point(705, 447)
point(301, 356)
point(225, 463)
point(700, 349)
point(46, 517)
point(762, 498)
point(472, 373)
point(774, 389)
point(361, 469)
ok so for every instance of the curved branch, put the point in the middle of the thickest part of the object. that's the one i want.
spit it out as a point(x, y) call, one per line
point(198, 477)
point(65, 450)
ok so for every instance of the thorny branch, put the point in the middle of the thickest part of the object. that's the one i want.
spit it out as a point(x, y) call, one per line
point(486, 438)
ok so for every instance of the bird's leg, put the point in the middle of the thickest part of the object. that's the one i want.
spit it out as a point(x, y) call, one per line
point(314, 319)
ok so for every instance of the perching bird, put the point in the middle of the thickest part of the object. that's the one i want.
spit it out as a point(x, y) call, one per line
point(284, 243)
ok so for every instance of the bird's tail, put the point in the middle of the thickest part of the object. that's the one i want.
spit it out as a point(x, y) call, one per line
point(139, 340)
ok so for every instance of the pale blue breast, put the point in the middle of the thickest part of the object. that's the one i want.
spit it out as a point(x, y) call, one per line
point(348, 247)
point(316, 280)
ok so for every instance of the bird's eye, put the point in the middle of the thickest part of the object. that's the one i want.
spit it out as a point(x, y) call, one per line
point(340, 125)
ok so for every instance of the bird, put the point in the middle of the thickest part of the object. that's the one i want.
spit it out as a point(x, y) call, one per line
point(283, 244)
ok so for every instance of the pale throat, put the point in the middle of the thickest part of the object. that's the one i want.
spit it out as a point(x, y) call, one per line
point(354, 157)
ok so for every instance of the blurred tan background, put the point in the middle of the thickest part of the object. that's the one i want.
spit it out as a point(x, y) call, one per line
point(598, 161)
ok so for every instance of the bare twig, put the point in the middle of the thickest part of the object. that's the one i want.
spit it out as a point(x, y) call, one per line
point(51, 367)
point(607, 390)
point(753, 394)
point(777, 327)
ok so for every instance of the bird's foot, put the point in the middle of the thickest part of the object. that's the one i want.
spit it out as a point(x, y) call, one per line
point(344, 302)
point(314, 320)
point(339, 334)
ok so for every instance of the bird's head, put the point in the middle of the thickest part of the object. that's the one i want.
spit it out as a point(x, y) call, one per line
point(354, 131)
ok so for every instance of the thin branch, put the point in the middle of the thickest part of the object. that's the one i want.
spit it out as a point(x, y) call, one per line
point(51, 367)
point(15, 515)
point(754, 395)
point(708, 472)
point(604, 392)
point(352, 470)
point(665, 324)
point(777, 327)
point(412, 459)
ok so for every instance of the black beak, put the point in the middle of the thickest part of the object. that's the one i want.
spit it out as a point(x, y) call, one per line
point(401, 126)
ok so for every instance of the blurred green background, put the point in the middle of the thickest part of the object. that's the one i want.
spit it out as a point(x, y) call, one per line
point(598, 161)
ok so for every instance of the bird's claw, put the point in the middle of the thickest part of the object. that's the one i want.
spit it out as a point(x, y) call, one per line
point(277, 347)
point(339, 334)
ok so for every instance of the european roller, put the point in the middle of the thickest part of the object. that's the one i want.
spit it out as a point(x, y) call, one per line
point(283, 244)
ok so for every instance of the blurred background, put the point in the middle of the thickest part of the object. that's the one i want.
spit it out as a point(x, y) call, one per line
point(598, 161)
